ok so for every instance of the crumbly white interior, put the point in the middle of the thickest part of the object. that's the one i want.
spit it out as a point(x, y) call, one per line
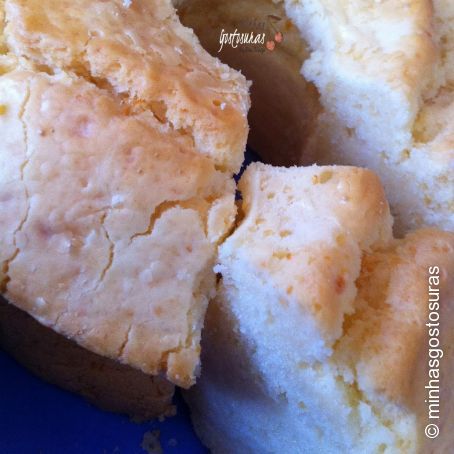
point(260, 400)
point(314, 339)
point(385, 74)
point(376, 91)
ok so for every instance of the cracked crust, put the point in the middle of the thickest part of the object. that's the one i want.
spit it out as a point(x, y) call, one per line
point(143, 52)
point(116, 178)
point(85, 241)
point(13, 198)
point(320, 318)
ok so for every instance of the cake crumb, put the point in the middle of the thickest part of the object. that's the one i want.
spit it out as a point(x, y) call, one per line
point(151, 442)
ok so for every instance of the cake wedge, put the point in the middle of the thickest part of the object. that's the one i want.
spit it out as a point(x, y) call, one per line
point(120, 138)
point(320, 321)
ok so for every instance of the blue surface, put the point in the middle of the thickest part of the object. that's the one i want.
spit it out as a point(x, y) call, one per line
point(36, 417)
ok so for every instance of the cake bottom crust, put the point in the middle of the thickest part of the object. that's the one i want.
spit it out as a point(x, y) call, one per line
point(104, 382)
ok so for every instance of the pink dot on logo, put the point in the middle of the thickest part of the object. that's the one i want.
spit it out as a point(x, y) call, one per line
point(270, 45)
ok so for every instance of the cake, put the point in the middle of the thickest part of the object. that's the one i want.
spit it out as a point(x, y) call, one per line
point(375, 91)
point(385, 74)
point(320, 321)
point(120, 137)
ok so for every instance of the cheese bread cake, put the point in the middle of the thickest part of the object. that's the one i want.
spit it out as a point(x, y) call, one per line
point(319, 339)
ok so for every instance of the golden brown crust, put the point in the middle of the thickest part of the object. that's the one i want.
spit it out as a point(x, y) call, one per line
point(92, 227)
point(321, 316)
point(123, 134)
point(142, 51)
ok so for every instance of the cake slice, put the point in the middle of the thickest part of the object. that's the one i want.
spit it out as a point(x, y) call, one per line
point(320, 321)
point(120, 137)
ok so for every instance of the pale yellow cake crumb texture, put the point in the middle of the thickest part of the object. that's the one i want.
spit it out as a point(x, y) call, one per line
point(116, 166)
point(320, 321)
point(324, 234)
point(385, 74)
point(143, 52)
